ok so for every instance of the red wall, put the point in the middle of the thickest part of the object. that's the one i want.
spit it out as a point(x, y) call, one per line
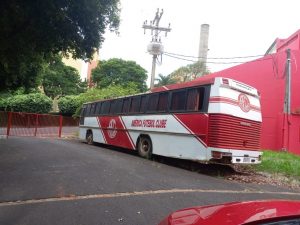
point(268, 76)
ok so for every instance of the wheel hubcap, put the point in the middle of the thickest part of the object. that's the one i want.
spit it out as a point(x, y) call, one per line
point(89, 139)
point(145, 146)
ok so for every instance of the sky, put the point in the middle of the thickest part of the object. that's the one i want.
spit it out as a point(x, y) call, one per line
point(237, 28)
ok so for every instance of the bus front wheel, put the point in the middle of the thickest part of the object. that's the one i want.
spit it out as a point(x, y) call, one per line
point(89, 137)
point(145, 147)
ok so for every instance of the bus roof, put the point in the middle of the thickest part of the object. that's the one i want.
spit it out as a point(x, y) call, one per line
point(199, 81)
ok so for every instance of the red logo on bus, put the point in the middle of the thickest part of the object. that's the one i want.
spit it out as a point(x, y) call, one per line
point(244, 103)
point(112, 132)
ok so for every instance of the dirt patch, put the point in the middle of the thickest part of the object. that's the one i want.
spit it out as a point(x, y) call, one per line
point(246, 174)
point(241, 174)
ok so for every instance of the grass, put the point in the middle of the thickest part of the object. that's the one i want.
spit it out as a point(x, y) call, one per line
point(280, 163)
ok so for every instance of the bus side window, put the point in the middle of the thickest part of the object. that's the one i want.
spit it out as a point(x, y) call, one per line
point(83, 109)
point(143, 103)
point(178, 100)
point(115, 107)
point(98, 108)
point(126, 104)
point(163, 102)
point(195, 99)
point(88, 110)
point(152, 103)
point(135, 104)
point(112, 107)
point(93, 109)
point(105, 107)
point(119, 106)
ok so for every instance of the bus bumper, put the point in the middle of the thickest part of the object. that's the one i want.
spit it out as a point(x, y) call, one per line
point(232, 156)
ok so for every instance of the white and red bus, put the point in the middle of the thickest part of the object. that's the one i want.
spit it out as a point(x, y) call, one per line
point(208, 120)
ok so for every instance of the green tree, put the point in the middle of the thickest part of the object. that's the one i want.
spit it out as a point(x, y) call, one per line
point(109, 92)
point(33, 30)
point(164, 80)
point(23, 71)
point(189, 72)
point(61, 80)
point(119, 72)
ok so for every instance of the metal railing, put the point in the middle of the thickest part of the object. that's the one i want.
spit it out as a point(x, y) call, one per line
point(40, 125)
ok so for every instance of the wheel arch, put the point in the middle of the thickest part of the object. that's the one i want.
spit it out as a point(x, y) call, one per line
point(88, 131)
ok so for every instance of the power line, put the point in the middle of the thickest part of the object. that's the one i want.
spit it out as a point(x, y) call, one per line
point(197, 57)
point(232, 62)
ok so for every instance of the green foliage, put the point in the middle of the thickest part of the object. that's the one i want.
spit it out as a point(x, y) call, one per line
point(119, 72)
point(112, 91)
point(20, 70)
point(61, 80)
point(34, 102)
point(3, 104)
point(164, 80)
point(69, 104)
point(32, 31)
point(189, 72)
point(280, 163)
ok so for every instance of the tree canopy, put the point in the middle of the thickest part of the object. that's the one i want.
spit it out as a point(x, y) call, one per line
point(33, 30)
point(119, 72)
point(164, 80)
point(60, 80)
point(189, 72)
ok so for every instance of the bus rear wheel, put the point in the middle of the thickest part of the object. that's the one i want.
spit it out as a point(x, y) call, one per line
point(145, 147)
point(89, 137)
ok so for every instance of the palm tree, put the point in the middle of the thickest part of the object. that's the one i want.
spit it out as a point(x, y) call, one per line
point(164, 80)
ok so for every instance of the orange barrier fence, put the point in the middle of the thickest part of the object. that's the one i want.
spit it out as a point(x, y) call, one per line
point(32, 124)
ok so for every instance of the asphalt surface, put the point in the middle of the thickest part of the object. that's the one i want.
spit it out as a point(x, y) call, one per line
point(52, 181)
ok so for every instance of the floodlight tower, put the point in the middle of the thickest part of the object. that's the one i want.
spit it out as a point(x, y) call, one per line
point(155, 47)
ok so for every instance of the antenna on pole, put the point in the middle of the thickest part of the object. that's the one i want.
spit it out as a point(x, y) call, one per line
point(155, 47)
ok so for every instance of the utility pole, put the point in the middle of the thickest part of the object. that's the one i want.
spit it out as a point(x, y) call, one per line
point(155, 48)
point(287, 102)
point(287, 98)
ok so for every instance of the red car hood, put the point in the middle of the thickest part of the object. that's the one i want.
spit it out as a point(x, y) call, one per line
point(234, 213)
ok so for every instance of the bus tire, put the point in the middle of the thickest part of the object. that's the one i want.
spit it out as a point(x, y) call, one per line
point(145, 147)
point(89, 137)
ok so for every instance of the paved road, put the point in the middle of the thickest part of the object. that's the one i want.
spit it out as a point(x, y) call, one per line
point(68, 182)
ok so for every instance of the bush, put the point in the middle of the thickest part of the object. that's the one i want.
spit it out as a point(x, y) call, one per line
point(3, 104)
point(3, 100)
point(34, 103)
point(109, 92)
point(71, 104)
point(67, 105)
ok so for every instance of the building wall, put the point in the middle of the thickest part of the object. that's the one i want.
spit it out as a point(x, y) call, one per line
point(292, 42)
point(92, 65)
point(84, 68)
point(78, 64)
point(267, 74)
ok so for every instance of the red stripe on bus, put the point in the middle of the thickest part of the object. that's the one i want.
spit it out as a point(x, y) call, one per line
point(231, 101)
point(98, 120)
point(127, 133)
point(195, 124)
point(115, 132)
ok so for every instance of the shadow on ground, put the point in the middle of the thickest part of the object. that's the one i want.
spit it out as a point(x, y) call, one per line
point(217, 170)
